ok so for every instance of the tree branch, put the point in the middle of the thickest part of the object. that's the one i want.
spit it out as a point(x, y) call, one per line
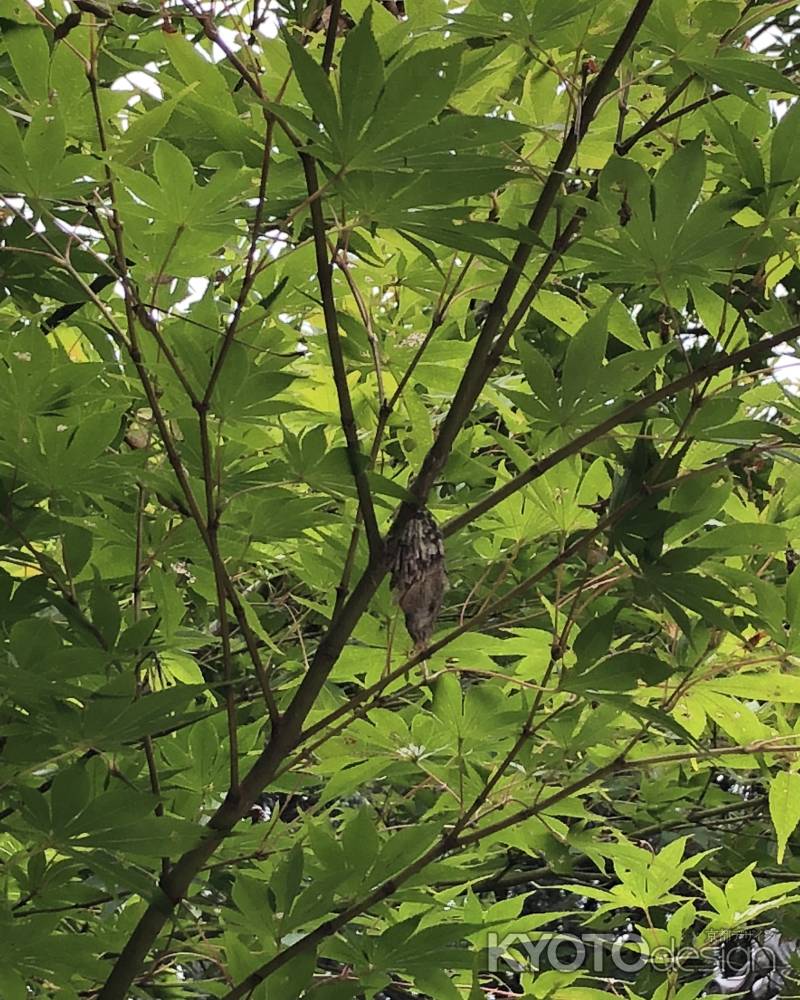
point(446, 843)
point(250, 272)
point(628, 413)
point(334, 10)
point(450, 841)
point(478, 370)
point(358, 461)
point(362, 701)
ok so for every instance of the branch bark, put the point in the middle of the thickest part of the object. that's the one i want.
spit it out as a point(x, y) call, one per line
point(478, 368)
point(358, 461)
point(628, 413)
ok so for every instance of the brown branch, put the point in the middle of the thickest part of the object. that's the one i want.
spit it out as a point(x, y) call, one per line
point(147, 742)
point(220, 574)
point(620, 764)
point(334, 10)
point(339, 257)
point(437, 319)
point(358, 461)
point(21, 914)
point(446, 843)
point(450, 841)
point(478, 370)
point(250, 273)
point(656, 121)
point(210, 31)
point(504, 879)
point(696, 817)
point(630, 412)
point(149, 324)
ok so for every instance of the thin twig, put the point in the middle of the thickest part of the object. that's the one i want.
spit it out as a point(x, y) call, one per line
point(358, 462)
point(334, 10)
point(250, 273)
point(340, 259)
point(212, 526)
point(147, 742)
point(628, 413)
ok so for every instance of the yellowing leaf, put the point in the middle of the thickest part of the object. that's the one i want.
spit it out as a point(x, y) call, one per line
point(560, 310)
point(748, 217)
point(777, 268)
point(784, 807)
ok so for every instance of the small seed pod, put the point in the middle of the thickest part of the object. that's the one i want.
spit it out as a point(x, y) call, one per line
point(419, 579)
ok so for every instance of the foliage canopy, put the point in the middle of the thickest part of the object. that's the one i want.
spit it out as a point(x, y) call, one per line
point(273, 277)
